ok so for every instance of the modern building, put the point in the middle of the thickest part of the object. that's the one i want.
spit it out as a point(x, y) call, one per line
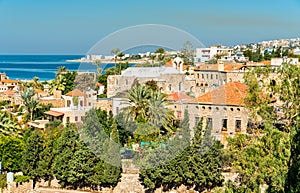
point(205, 54)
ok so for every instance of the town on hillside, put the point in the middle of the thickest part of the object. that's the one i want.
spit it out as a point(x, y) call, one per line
point(208, 104)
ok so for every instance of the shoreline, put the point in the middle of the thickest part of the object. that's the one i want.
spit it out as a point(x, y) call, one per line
point(106, 61)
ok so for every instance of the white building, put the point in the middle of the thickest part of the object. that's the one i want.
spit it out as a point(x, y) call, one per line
point(279, 61)
point(206, 54)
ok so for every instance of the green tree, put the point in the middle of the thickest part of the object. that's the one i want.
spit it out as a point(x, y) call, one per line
point(36, 83)
point(267, 55)
point(29, 100)
point(33, 146)
point(61, 70)
point(64, 149)
point(46, 158)
point(11, 153)
point(269, 156)
point(64, 81)
point(8, 126)
point(198, 166)
point(152, 84)
point(39, 112)
point(115, 53)
point(160, 51)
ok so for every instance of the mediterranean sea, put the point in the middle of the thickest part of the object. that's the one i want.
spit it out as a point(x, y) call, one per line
point(25, 67)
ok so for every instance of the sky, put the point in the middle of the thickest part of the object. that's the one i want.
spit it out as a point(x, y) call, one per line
point(74, 26)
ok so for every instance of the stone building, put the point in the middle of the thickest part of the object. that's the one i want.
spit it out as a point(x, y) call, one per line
point(210, 76)
point(222, 109)
point(76, 104)
point(169, 79)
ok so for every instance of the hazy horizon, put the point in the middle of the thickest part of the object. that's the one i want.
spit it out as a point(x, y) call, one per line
point(73, 27)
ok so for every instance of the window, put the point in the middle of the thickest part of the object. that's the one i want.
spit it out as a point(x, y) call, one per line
point(90, 104)
point(76, 119)
point(68, 119)
point(68, 103)
point(170, 87)
point(217, 76)
point(81, 118)
point(198, 75)
point(211, 76)
point(238, 125)
point(117, 110)
point(209, 123)
point(206, 76)
point(224, 124)
point(90, 95)
point(202, 76)
point(179, 115)
point(197, 119)
point(179, 86)
point(81, 103)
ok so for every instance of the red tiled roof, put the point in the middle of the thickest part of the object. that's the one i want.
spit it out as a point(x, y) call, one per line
point(75, 92)
point(54, 113)
point(214, 67)
point(232, 93)
point(99, 84)
point(9, 81)
point(39, 91)
point(178, 96)
point(169, 63)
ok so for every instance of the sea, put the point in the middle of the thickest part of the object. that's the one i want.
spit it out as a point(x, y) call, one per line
point(26, 67)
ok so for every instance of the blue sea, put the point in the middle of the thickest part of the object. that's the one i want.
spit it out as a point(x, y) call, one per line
point(25, 67)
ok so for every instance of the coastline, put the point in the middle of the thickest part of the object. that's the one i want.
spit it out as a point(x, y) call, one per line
point(106, 61)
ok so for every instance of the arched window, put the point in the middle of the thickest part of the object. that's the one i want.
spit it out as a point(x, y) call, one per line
point(180, 86)
point(192, 89)
point(170, 87)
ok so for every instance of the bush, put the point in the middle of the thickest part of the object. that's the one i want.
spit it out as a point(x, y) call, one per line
point(2, 181)
point(21, 179)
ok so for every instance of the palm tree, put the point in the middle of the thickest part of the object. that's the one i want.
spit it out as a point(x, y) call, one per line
point(138, 101)
point(148, 106)
point(8, 126)
point(115, 52)
point(157, 112)
point(29, 101)
point(58, 84)
point(36, 83)
point(61, 70)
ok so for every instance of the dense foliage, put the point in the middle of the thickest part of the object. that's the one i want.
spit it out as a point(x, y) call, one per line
point(198, 166)
point(269, 156)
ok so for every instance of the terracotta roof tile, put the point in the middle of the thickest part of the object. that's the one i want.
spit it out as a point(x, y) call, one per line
point(54, 113)
point(214, 67)
point(99, 84)
point(9, 81)
point(75, 92)
point(177, 96)
point(232, 93)
point(39, 91)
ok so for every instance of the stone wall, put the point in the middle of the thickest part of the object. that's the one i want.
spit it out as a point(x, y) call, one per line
point(19, 187)
point(57, 103)
point(104, 104)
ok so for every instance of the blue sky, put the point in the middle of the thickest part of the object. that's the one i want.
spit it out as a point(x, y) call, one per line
point(74, 26)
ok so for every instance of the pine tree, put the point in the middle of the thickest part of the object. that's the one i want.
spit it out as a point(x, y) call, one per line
point(33, 146)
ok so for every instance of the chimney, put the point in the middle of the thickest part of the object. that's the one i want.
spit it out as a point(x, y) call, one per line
point(221, 66)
